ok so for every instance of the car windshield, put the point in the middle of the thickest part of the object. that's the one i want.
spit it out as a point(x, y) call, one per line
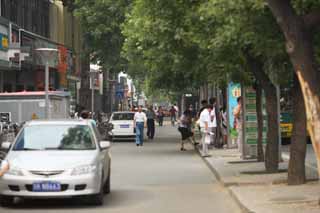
point(122, 116)
point(55, 137)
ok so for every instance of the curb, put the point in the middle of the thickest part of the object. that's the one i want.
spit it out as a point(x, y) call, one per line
point(242, 207)
point(213, 170)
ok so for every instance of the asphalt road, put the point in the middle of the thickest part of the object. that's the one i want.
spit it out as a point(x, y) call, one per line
point(157, 177)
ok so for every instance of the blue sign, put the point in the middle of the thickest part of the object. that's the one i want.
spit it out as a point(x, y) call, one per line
point(234, 91)
point(119, 94)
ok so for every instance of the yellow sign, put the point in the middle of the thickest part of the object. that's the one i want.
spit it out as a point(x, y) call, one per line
point(236, 92)
point(34, 116)
point(5, 42)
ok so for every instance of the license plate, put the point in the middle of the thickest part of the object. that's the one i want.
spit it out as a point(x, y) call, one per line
point(46, 187)
point(124, 126)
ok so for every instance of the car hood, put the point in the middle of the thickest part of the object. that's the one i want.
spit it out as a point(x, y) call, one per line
point(50, 160)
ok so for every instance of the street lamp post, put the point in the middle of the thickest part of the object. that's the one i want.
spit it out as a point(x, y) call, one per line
point(47, 52)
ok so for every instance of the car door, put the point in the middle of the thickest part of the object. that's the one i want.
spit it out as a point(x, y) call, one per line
point(104, 156)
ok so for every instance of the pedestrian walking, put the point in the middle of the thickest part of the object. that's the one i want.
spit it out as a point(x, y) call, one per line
point(224, 126)
point(160, 116)
point(193, 112)
point(173, 115)
point(176, 108)
point(205, 118)
point(86, 115)
point(151, 115)
point(185, 128)
point(214, 141)
point(204, 104)
point(139, 123)
point(237, 113)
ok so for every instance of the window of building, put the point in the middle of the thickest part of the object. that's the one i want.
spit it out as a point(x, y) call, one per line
point(15, 36)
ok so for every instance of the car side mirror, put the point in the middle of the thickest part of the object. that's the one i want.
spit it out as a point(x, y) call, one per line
point(105, 144)
point(6, 145)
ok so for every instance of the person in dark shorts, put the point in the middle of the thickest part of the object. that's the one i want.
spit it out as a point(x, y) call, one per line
point(185, 128)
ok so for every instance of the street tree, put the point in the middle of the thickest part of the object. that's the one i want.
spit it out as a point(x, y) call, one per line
point(101, 21)
point(242, 40)
point(156, 36)
point(299, 22)
point(174, 38)
point(237, 38)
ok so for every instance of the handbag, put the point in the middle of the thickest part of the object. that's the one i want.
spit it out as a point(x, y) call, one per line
point(207, 139)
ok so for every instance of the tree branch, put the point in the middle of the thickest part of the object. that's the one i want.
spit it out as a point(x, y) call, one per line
point(312, 19)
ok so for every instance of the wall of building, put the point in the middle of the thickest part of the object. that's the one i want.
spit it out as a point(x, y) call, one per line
point(31, 15)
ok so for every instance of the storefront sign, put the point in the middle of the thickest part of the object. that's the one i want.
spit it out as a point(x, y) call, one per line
point(14, 58)
point(4, 44)
point(234, 91)
point(250, 117)
point(63, 65)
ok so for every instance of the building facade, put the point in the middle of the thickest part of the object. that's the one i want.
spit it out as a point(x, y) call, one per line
point(27, 25)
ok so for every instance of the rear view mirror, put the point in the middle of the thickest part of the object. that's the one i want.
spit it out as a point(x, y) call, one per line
point(105, 144)
point(6, 145)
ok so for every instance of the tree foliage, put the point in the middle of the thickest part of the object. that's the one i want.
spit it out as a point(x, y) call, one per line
point(157, 37)
point(101, 21)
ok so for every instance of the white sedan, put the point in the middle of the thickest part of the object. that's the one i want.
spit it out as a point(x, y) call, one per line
point(122, 123)
point(57, 159)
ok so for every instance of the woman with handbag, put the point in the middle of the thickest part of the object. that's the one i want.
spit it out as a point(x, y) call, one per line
point(185, 128)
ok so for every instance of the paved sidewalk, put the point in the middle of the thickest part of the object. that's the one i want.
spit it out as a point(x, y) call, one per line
point(311, 160)
point(256, 191)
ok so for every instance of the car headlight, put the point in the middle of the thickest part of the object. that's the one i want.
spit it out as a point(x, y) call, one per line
point(82, 170)
point(15, 171)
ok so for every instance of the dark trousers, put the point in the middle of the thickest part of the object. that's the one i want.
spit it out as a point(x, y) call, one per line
point(160, 121)
point(150, 126)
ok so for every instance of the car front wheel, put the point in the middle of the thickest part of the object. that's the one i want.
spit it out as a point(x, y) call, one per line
point(97, 199)
point(107, 185)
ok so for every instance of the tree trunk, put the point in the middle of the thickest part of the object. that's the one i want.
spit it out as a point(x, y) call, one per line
point(272, 148)
point(260, 122)
point(301, 52)
point(296, 171)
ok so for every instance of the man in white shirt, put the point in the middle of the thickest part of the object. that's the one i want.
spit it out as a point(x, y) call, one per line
point(176, 108)
point(139, 123)
point(213, 123)
point(213, 127)
point(204, 127)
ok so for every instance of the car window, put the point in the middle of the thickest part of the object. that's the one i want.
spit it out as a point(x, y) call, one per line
point(55, 137)
point(122, 116)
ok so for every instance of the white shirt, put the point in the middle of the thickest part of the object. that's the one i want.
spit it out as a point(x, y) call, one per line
point(176, 108)
point(204, 117)
point(212, 120)
point(140, 117)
